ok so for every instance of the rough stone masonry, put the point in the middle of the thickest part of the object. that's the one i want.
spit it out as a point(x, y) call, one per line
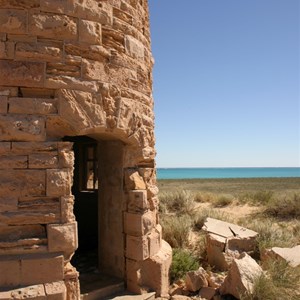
point(76, 68)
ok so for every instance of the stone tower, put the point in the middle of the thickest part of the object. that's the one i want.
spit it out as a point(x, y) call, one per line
point(77, 170)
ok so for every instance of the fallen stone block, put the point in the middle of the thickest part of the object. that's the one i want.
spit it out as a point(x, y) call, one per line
point(195, 280)
point(207, 293)
point(241, 276)
point(291, 255)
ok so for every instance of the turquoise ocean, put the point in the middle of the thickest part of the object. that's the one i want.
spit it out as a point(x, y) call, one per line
point(195, 173)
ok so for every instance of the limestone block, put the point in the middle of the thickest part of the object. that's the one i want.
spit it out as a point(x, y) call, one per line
point(133, 47)
point(290, 255)
point(88, 9)
point(89, 32)
point(67, 205)
point(215, 251)
point(195, 280)
point(42, 270)
point(152, 191)
point(155, 270)
point(59, 182)
point(22, 183)
point(13, 162)
point(8, 202)
point(20, 3)
point(22, 128)
point(122, 15)
point(56, 290)
point(137, 201)
point(43, 161)
point(7, 50)
point(95, 70)
point(137, 247)
point(62, 238)
point(67, 82)
point(66, 159)
point(39, 51)
point(27, 218)
point(13, 21)
point(133, 181)
point(133, 276)
point(8, 91)
point(3, 104)
point(33, 92)
point(138, 224)
point(37, 106)
point(239, 244)
point(10, 275)
point(33, 147)
point(34, 292)
point(227, 230)
point(241, 276)
point(207, 293)
point(21, 73)
point(5, 147)
point(59, 27)
point(154, 239)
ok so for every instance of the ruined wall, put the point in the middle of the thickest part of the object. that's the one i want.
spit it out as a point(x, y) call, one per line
point(70, 68)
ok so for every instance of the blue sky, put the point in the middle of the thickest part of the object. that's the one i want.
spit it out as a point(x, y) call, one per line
point(226, 82)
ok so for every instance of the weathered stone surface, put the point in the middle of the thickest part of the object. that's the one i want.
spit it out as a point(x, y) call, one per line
point(22, 128)
point(22, 182)
point(22, 73)
point(241, 276)
point(36, 271)
point(37, 106)
point(5, 147)
point(195, 280)
point(3, 104)
point(10, 273)
point(137, 224)
point(134, 181)
point(13, 21)
point(155, 270)
point(56, 290)
point(13, 162)
point(20, 3)
point(44, 51)
point(137, 247)
point(43, 161)
point(227, 230)
point(33, 147)
point(67, 204)
point(62, 238)
point(89, 32)
point(7, 50)
point(36, 292)
point(53, 26)
point(133, 47)
point(137, 201)
point(291, 255)
point(207, 293)
point(65, 82)
point(59, 182)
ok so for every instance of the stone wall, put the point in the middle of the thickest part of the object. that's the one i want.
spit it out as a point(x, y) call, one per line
point(74, 68)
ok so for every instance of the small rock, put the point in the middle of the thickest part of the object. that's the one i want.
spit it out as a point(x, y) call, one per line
point(195, 280)
point(180, 297)
point(207, 293)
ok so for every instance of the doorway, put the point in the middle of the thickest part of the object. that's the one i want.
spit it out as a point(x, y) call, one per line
point(98, 208)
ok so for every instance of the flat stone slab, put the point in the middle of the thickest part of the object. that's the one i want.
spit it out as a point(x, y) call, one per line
point(227, 230)
point(291, 255)
point(148, 296)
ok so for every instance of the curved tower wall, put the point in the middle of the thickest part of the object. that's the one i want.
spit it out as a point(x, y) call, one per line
point(71, 68)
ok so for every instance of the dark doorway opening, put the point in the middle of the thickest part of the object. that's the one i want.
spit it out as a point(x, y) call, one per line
point(85, 191)
point(94, 181)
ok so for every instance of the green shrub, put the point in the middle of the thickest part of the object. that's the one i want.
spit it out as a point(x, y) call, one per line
point(183, 261)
